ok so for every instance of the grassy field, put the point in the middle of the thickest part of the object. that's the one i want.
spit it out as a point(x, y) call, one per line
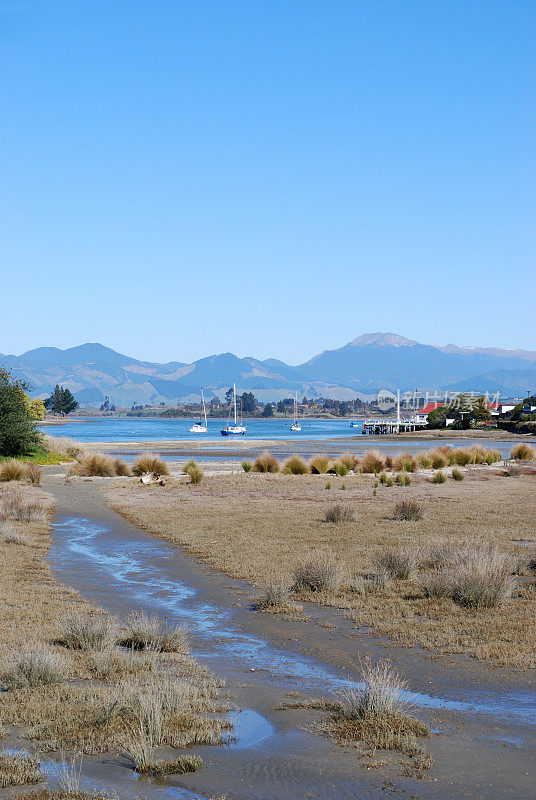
point(245, 524)
point(73, 679)
point(41, 456)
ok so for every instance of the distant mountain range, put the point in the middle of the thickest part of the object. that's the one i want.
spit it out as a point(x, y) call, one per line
point(361, 368)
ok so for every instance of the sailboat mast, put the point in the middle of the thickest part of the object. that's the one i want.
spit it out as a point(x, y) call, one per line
point(204, 407)
point(234, 396)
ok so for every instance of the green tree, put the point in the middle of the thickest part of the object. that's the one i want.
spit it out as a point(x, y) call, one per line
point(17, 430)
point(249, 403)
point(438, 417)
point(281, 407)
point(229, 396)
point(268, 410)
point(68, 403)
point(480, 411)
point(61, 401)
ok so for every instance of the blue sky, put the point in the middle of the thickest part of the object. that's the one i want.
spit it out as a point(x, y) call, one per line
point(183, 178)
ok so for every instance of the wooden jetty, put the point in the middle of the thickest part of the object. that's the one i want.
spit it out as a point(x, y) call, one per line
point(384, 427)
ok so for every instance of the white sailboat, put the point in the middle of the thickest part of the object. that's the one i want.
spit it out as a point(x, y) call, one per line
point(236, 429)
point(296, 424)
point(198, 427)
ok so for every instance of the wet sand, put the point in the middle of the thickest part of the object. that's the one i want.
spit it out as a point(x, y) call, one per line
point(485, 720)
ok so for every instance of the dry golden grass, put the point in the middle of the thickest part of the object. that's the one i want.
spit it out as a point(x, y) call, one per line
point(244, 524)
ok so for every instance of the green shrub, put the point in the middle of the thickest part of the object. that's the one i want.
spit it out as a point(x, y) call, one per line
point(247, 466)
point(340, 469)
point(18, 434)
point(403, 479)
point(405, 463)
point(438, 459)
point(439, 477)
point(457, 474)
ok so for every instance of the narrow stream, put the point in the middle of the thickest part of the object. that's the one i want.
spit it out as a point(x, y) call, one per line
point(137, 574)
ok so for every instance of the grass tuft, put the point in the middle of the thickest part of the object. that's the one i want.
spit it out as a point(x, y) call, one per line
point(457, 474)
point(95, 465)
point(82, 632)
point(410, 510)
point(339, 512)
point(523, 452)
point(399, 563)
point(38, 667)
point(12, 470)
point(149, 463)
point(319, 464)
point(121, 468)
point(266, 463)
point(16, 769)
point(247, 466)
point(318, 571)
point(373, 462)
point(295, 466)
point(153, 634)
point(439, 477)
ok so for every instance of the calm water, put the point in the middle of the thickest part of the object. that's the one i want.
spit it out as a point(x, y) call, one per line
point(98, 429)
point(147, 430)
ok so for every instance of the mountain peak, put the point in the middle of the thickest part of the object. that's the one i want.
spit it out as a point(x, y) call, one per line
point(385, 339)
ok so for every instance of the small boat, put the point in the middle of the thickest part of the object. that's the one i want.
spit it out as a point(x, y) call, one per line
point(198, 427)
point(236, 429)
point(354, 424)
point(296, 424)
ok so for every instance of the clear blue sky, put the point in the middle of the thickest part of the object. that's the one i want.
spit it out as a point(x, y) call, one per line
point(183, 177)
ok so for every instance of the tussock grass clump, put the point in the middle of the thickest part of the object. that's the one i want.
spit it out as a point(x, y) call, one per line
point(448, 452)
point(339, 512)
point(179, 766)
point(193, 471)
point(12, 470)
point(405, 462)
point(523, 452)
point(151, 633)
point(350, 461)
point(439, 477)
point(37, 667)
point(63, 445)
point(478, 454)
point(480, 577)
point(373, 462)
point(9, 535)
point(424, 460)
point(399, 563)
point(493, 456)
point(113, 663)
point(340, 469)
point(33, 474)
point(410, 510)
point(121, 468)
point(95, 465)
point(277, 598)
point(318, 571)
point(381, 692)
point(438, 460)
point(82, 632)
point(462, 456)
point(295, 466)
point(266, 463)
point(17, 769)
point(21, 507)
point(247, 466)
point(457, 474)
point(319, 464)
point(403, 479)
point(149, 463)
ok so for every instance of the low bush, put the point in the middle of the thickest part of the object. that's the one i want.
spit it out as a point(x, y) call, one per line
point(149, 463)
point(523, 452)
point(373, 462)
point(12, 470)
point(33, 474)
point(439, 477)
point(319, 570)
point(399, 563)
point(153, 634)
point(266, 463)
point(193, 471)
point(247, 466)
point(410, 510)
point(22, 507)
point(295, 466)
point(457, 474)
point(339, 512)
point(34, 668)
point(403, 479)
point(82, 632)
point(319, 465)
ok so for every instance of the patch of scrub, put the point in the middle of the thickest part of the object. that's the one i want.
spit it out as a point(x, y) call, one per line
point(136, 573)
